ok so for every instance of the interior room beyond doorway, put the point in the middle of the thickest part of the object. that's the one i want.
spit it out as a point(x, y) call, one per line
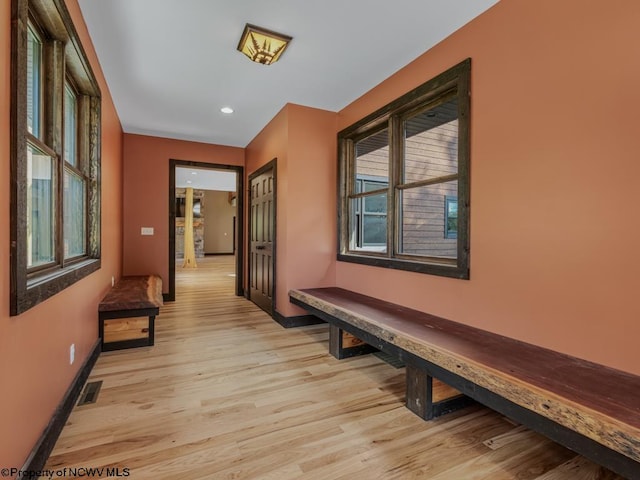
point(205, 219)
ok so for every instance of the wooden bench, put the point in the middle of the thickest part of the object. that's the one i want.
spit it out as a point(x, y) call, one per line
point(425, 396)
point(130, 298)
point(589, 408)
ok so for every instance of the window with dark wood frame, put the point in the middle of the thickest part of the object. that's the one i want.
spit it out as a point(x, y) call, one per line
point(417, 149)
point(55, 155)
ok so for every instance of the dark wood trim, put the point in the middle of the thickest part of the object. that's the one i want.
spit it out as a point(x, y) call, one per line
point(272, 165)
point(399, 264)
point(42, 449)
point(28, 287)
point(53, 283)
point(296, 321)
point(173, 163)
point(577, 442)
point(430, 181)
point(18, 142)
point(94, 180)
point(453, 83)
point(464, 168)
point(79, 60)
point(428, 90)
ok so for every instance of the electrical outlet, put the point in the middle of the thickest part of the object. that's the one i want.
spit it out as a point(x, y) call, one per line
point(72, 353)
point(146, 231)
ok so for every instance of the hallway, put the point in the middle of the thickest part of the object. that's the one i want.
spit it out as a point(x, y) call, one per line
point(228, 393)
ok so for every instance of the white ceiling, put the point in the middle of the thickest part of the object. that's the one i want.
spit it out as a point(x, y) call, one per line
point(172, 64)
point(206, 179)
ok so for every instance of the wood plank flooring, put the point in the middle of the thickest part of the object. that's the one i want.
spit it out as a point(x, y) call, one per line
point(226, 393)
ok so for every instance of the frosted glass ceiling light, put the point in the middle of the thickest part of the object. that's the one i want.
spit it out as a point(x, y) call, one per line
point(261, 45)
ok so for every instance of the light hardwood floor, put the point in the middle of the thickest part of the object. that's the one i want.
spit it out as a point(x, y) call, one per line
point(226, 393)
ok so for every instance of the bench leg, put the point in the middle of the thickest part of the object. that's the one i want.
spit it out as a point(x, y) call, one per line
point(344, 345)
point(152, 329)
point(420, 395)
point(101, 331)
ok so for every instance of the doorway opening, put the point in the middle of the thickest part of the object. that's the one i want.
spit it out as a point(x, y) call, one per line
point(217, 214)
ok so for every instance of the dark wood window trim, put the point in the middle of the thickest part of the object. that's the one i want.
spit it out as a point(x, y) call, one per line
point(454, 83)
point(64, 59)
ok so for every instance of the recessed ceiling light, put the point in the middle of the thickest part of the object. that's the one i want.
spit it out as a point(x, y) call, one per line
point(189, 181)
point(194, 173)
point(226, 110)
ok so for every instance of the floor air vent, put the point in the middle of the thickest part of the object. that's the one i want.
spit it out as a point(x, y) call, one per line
point(90, 393)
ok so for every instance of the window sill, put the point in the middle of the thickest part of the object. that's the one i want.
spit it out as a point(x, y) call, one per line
point(452, 271)
point(41, 287)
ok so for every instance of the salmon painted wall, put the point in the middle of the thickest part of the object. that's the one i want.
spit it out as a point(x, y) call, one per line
point(304, 142)
point(312, 229)
point(272, 142)
point(554, 169)
point(146, 196)
point(34, 347)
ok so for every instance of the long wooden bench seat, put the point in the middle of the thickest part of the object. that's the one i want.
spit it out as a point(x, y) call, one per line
point(130, 297)
point(592, 409)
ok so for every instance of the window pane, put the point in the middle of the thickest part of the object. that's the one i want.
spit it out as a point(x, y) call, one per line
point(372, 185)
point(451, 214)
point(374, 231)
point(70, 135)
point(431, 143)
point(369, 230)
point(375, 204)
point(424, 220)
point(40, 207)
point(74, 215)
point(34, 67)
point(372, 156)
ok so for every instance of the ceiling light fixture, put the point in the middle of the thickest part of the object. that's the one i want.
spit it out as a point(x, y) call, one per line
point(261, 45)
point(226, 110)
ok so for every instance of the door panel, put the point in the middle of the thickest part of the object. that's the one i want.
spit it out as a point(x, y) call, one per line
point(261, 275)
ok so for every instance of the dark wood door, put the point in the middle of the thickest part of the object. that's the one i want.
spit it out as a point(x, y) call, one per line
point(262, 240)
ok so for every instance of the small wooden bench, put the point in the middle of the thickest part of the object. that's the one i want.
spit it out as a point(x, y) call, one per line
point(589, 408)
point(130, 297)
